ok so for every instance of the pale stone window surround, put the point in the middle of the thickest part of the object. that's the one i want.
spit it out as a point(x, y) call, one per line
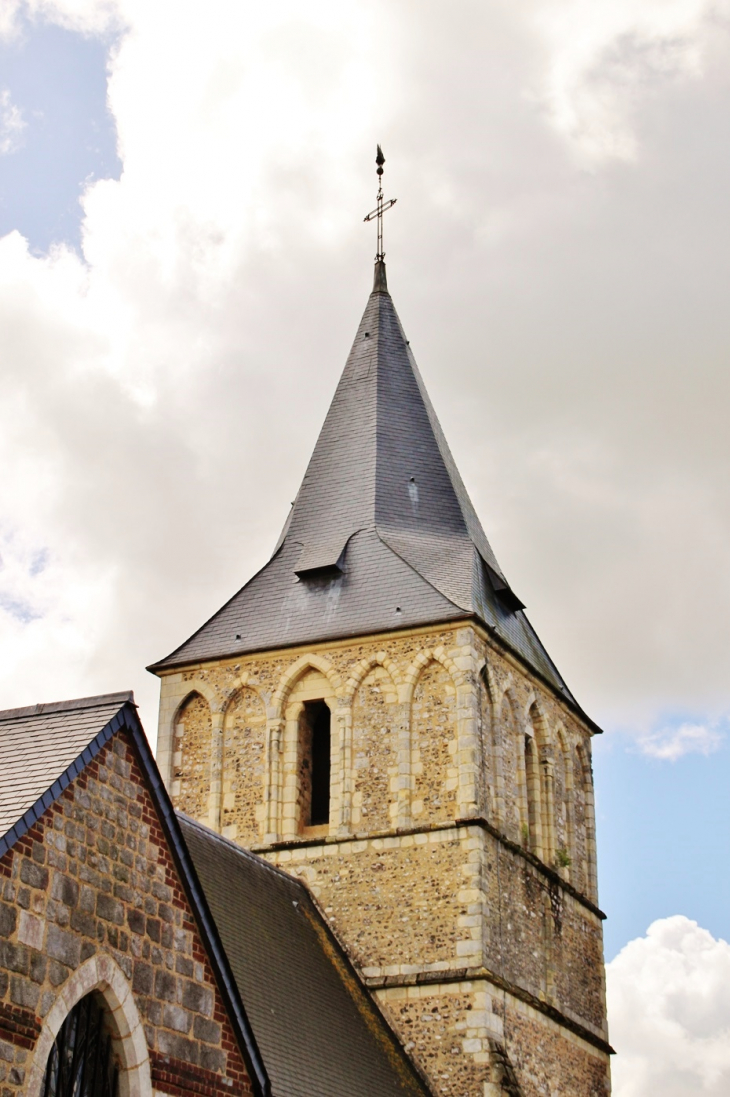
point(99, 973)
point(283, 737)
point(294, 672)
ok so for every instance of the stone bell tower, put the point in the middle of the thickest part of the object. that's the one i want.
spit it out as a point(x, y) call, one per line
point(374, 712)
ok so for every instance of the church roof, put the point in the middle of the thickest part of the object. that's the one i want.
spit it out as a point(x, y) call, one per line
point(39, 743)
point(318, 1029)
point(382, 534)
point(43, 748)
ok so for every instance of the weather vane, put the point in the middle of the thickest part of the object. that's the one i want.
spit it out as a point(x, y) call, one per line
point(381, 207)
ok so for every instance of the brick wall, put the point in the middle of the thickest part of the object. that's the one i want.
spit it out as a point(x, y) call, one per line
point(94, 878)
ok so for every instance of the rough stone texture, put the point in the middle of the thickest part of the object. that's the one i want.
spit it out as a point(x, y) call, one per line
point(510, 750)
point(244, 748)
point(374, 751)
point(432, 731)
point(434, 739)
point(434, 1025)
point(94, 877)
point(193, 751)
point(392, 900)
point(472, 1038)
point(532, 1042)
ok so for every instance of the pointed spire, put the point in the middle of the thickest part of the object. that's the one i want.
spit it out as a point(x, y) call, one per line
point(382, 534)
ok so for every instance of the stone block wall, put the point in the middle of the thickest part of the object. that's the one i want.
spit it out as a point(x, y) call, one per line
point(461, 832)
point(427, 727)
point(471, 1037)
point(402, 905)
point(90, 895)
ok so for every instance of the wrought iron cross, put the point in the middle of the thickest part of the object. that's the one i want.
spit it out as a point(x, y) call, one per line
point(381, 207)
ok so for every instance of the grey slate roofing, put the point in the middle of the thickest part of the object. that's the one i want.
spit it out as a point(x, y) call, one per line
point(317, 1027)
point(382, 534)
point(38, 743)
point(43, 748)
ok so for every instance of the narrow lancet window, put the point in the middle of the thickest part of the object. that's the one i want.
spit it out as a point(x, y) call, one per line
point(314, 770)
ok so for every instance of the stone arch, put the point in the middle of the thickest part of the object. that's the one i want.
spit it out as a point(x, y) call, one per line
point(228, 695)
point(509, 746)
point(199, 685)
point(540, 776)
point(243, 763)
point(585, 820)
point(287, 727)
point(432, 684)
point(361, 670)
point(374, 743)
point(101, 974)
point(192, 754)
point(488, 783)
point(563, 788)
point(421, 662)
point(292, 674)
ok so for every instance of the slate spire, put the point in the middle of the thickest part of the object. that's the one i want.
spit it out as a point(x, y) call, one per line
point(382, 534)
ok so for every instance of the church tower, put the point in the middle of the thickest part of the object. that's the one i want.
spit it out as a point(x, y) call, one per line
point(374, 713)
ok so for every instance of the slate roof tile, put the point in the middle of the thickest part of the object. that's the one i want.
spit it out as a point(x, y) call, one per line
point(383, 482)
point(316, 1025)
point(39, 742)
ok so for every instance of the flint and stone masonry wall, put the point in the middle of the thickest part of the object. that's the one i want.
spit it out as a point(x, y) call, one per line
point(93, 878)
point(458, 865)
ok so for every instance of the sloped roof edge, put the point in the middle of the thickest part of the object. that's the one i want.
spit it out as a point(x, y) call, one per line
point(363, 999)
point(127, 719)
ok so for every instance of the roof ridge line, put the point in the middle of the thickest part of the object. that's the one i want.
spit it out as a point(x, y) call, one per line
point(72, 705)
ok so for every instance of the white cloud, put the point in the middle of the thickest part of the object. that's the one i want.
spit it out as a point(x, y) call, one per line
point(12, 124)
point(670, 744)
point(159, 398)
point(669, 1013)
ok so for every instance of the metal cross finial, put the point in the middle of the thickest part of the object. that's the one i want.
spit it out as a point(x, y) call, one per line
point(381, 206)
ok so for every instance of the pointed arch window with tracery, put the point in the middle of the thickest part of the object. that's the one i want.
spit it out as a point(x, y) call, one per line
point(81, 1062)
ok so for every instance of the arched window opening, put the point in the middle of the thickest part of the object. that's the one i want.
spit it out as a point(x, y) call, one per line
point(314, 764)
point(81, 1062)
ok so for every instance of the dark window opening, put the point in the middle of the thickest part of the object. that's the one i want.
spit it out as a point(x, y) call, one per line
point(81, 1062)
point(314, 772)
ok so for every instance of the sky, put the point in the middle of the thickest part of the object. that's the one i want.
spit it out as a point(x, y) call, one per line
point(183, 264)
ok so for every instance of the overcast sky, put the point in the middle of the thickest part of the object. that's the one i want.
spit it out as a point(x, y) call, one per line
point(183, 265)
